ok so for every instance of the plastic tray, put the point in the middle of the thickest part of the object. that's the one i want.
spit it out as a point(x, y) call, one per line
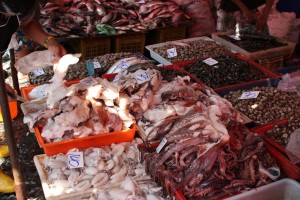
point(267, 72)
point(164, 61)
point(258, 55)
point(263, 129)
point(26, 90)
point(290, 170)
point(49, 194)
point(13, 108)
point(285, 189)
point(84, 143)
point(270, 82)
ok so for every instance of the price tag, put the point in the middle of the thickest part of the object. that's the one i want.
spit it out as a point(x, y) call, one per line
point(43, 92)
point(90, 68)
point(141, 76)
point(75, 160)
point(88, 81)
point(142, 1)
point(123, 65)
point(210, 61)
point(38, 72)
point(235, 37)
point(161, 145)
point(249, 95)
point(97, 65)
point(172, 52)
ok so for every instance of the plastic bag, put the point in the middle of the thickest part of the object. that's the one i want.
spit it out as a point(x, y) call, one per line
point(34, 61)
point(290, 82)
point(293, 147)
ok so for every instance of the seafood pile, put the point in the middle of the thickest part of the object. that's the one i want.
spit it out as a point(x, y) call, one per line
point(94, 17)
point(238, 165)
point(191, 50)
point(79, 70)
point(110, 172)
point(228, 71)
point(82, 111)
point(253, 44)
point(271, 104)
point(281, 133)
point(169, 74)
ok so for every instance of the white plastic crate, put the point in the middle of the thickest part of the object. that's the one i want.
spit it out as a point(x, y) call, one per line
point(285, 189)
point(164, 61)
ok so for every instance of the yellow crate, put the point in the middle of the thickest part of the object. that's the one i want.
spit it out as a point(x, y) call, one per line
point(166, 34)
point(129, 43)
point(272, 63)
point(92, 47)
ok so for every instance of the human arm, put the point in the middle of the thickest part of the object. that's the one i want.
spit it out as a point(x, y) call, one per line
point(262, 19)
point(33, 29)
point(245, 10)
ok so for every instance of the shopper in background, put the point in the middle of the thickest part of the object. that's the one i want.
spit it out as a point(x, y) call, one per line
point(201, 12)
point(231, 12)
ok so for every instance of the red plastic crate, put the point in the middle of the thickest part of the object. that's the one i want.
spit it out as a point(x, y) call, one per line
point(267, 72)
point(263, 129)
point(84, 143)
point(290, 170)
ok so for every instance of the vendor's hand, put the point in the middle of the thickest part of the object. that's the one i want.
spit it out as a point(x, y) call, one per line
point(261, 22)
point(58, 50)
point(11, 90)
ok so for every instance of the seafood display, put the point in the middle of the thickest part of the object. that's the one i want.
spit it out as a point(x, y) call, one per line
point(90, 107)
point(228, 71)
point(109, 172)
point(253, 44)
point(270, 105)
point(281, 133)
point(94, 17)
point(232, 166)
point(191, 50)
point(79, 70)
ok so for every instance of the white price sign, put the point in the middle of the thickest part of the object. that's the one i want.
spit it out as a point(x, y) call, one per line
point(38, 72)
point(141, 76)
point(43, 93)
point(249, 95)
point(88, 81)
point(123, 65)
point(75, 160)
point(235, 37)
point(96, 64)
point(161, 145)
point(172, 52)
point(210, 61)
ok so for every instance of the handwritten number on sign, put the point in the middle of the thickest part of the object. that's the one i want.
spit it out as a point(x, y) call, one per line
point(142, 76)
point(249, 95)
point(74, 160)
point(38, 72)
point(123, 65)
point(172, 53)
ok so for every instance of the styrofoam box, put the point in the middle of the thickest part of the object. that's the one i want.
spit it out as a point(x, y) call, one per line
point(164, 61)
point(285, 189)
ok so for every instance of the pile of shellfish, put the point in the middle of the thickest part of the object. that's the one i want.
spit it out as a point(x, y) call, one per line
point(109, 172)
point(191, 50)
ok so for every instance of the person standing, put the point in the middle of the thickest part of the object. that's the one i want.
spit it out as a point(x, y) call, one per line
point(231, 12)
